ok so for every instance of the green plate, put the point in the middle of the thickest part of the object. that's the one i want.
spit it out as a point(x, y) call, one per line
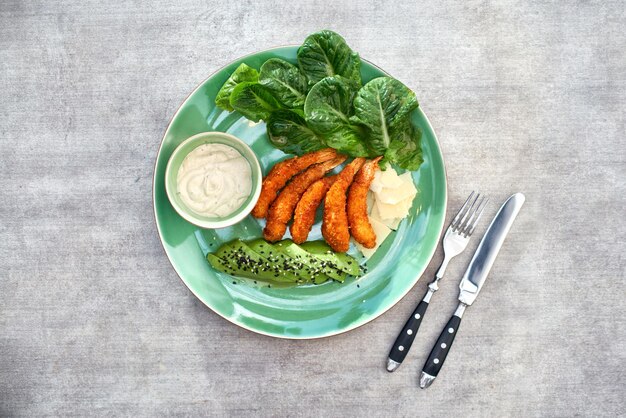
point(306, 311)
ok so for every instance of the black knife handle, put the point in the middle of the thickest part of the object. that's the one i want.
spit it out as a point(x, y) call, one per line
point(442, 347)
point(406, 337)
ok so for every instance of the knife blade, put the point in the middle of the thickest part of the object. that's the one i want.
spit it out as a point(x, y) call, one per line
point(472, 282)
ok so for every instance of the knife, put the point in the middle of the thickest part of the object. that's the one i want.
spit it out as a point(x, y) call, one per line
point(471, 283)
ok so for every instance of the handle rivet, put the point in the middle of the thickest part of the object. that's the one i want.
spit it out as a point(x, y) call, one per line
point(401, 348)
point(417, 316)
point(450, 330)
point(443, 345)
point(436, 361)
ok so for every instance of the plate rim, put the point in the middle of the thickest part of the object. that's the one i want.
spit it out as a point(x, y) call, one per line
point(353, 326)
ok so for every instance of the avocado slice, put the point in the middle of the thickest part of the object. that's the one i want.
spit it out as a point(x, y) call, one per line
point(341, 261)
point(320, 270)
point(289, 268)
point(237, 258)
point(225, 267)
point(283, 262)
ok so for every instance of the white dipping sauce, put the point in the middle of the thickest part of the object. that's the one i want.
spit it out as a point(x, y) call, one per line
point(214, 180)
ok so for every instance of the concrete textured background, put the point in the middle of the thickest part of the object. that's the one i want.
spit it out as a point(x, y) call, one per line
point(525, 96)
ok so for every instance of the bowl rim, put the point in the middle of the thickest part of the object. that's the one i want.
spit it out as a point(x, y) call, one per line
point(186, 213)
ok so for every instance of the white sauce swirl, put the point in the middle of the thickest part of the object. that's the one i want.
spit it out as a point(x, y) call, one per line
point(214, 180)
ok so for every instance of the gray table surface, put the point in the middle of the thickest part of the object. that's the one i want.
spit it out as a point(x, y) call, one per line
point(525, 96)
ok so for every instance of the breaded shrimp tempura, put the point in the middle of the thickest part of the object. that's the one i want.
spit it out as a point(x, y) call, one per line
point(335, 222)
point(280, 174)
point(304, 216)
point(282, 208)
point(360, 227)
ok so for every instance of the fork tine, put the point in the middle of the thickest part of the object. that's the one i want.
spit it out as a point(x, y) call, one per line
point(471, 223)
point(462, 223)
point(472, 212)
point(453, 225)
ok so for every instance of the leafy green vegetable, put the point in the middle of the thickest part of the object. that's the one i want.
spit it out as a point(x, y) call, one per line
point(405, 148)
point(329, 104)
point(348, 140)
point(242, 74)
point(327, 110)
point(322, 103)
point(285, 81)
point(289, 132)
point(254, 101)
point(325, 54)
point(379, 105)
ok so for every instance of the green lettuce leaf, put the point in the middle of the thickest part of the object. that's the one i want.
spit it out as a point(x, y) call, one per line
point(327, 110)
point(329, 104)
point(242, 74)
point(379, 105)
point(325, 54)
point(254, 101)
point(349, 141)
point(285, 81)
point(289, 132)
point(405, 148)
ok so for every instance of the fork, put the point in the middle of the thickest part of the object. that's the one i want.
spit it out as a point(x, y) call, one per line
point(455, 241)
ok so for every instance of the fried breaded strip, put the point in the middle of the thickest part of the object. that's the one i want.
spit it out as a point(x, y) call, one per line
point(359, 223)
point(282, 208)
point(280, 174)
point(335, 222)
point(304, 215)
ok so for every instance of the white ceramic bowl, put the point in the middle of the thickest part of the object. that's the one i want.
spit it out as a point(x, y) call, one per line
point(175, 161)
